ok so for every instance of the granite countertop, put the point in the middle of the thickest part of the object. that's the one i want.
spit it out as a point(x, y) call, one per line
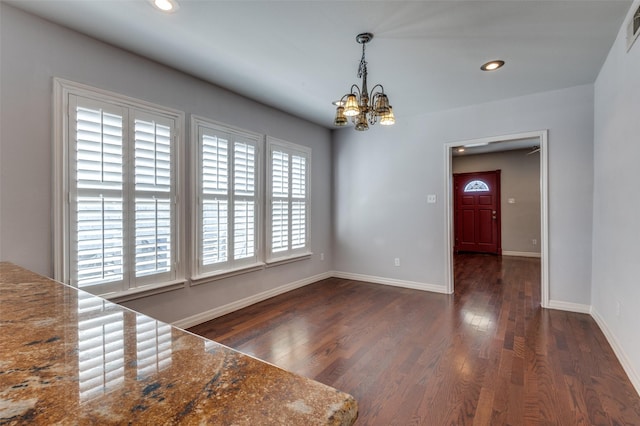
point(67, 357)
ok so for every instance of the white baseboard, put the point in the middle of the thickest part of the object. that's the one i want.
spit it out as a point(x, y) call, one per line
point(569, 306)
point(247, 301)
point(390, 281)
point(634, 377)
point(520, 253)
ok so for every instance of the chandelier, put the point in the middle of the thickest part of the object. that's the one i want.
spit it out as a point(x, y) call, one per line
point(362, 107)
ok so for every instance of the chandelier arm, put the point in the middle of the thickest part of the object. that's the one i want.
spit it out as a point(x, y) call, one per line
point(341, 101)
point(357, 92)
point(373, 90)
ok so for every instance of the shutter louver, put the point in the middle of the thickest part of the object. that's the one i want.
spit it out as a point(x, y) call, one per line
point(215, 207)
point(153, 236)
point(298, 176)
point(298, 208)
point(99, 215)
point(244, 231)
point(279, 203)
point(214, 231)
point(244, 172)
point(153, 156)
point(280, 174)
point(98, 149)
point(153, 202)
point(298, 224)
point(99, 244)
point(279, 225)
point(215, 165)
point(244, 169)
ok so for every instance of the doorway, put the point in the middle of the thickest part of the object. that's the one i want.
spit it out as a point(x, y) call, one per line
point(476, 210)
point(540, 138)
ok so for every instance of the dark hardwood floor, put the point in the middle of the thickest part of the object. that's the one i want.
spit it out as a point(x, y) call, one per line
point(487, 355)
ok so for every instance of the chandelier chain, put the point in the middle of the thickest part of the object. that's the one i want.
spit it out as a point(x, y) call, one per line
point(362, 69)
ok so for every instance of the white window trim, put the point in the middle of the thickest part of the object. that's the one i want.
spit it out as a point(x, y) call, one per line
point(274, 259)
point(62, 89)
point(205, 275)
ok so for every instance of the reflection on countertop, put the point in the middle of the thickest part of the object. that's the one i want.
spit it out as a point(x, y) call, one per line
point(68, 357)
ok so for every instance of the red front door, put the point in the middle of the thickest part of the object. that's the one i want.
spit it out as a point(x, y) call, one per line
point(477, 212)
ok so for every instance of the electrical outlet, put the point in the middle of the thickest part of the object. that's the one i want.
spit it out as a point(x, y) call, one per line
point(534, 242)
point(396, 261)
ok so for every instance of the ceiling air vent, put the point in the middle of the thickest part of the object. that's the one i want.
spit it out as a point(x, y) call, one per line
point(633, 28)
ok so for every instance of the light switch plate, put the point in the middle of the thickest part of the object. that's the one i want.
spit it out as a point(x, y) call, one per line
point(431, 198)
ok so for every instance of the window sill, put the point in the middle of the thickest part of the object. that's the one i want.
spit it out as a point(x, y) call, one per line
point(219, 275)
point(289, 259)
point(144, 291)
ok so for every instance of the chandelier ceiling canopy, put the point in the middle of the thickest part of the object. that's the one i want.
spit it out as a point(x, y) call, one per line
point(362, 107)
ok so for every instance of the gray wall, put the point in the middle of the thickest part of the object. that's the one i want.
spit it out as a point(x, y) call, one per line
point(519, 181)
point(33, 52)
point(382, 178)
point(616, 228)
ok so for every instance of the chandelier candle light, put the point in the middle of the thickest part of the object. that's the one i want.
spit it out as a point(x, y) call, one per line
point(362, 107)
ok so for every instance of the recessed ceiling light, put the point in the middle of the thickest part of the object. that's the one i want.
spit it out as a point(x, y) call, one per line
point(165, 5)
point(492, 65)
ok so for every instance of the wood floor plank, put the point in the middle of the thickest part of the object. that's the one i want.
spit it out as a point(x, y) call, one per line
point(487, 355)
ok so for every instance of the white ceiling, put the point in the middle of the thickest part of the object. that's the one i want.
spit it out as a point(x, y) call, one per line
point(299, 56)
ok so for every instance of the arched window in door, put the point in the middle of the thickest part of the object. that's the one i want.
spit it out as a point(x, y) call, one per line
point(476, 186)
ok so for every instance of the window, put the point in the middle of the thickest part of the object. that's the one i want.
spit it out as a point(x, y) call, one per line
point(228, 194)
point(117, 211)
point(476, 186)
point(288, 200)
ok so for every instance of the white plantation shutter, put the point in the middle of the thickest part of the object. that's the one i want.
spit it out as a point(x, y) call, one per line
point(288, 199)
point(153, 195)
point(244, 209)
point(279, 203)
point(121, 183)
point(227, 192)
point(99, 239)
point(279, 225)
point(298, 202)
point(215, 199)
point(97, 219)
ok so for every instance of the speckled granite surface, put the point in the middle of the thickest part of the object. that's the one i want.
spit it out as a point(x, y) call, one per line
point(67, 357)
